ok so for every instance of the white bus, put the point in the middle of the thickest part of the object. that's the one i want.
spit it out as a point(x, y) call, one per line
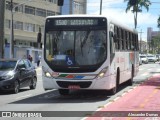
point(88, 52)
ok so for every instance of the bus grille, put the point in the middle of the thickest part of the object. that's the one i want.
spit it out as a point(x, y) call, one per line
point(65, 84)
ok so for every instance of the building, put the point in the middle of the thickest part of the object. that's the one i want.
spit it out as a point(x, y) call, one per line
point(151, 34)
point(74, 7)
point(28, 18)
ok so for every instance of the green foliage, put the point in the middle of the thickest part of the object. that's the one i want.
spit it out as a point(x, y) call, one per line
point(155, 44)
point(158, 21)
point(137, 7)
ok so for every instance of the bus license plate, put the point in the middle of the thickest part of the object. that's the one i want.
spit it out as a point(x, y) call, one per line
point(74, 87)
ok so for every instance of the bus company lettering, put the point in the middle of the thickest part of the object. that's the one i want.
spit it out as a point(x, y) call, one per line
point(120, 60)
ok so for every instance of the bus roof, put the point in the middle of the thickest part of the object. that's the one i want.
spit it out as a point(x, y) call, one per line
point(109, 18)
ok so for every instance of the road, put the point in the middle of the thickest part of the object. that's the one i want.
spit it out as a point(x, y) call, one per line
point(40, 100)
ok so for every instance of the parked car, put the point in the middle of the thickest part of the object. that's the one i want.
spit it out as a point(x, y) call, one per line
point(151, 58)
point(144, 59)
point(15, 74)
point(140, 61)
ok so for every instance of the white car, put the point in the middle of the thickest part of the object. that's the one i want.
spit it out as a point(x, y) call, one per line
point(144, 59)
point(140, 61)
point(151, 58)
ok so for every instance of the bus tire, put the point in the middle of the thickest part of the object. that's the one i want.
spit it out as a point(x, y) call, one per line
point(130, 81)
point(63, 91)
point(114, 90)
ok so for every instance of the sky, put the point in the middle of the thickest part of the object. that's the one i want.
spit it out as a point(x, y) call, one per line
point(116, 9)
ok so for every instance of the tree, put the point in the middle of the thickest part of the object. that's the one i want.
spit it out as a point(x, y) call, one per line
point(155, 44)
point(137, 7)
point(158, 21)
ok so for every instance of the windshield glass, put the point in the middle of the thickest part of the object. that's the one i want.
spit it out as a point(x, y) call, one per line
point(150, 56)
point(75, 48)
point(7, 65)
point(143, 56)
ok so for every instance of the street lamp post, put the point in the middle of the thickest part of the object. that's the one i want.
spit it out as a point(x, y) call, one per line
point(12, 28)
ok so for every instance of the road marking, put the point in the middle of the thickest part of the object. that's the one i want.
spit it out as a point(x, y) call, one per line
point(25, 96)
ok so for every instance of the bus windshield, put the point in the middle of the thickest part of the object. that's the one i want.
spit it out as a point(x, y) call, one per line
point(75, 47)
point(81, 47)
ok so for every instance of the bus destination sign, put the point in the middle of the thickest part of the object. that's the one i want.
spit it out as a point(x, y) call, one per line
point(76, 22)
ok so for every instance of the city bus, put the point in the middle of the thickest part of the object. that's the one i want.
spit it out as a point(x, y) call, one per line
point(88, 52)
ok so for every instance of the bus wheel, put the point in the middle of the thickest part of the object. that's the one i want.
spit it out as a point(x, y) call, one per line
point(16, 87)
point(63, 91)
point(114, 90)
point(130, 81)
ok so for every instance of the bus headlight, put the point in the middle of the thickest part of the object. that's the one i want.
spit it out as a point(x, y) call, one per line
point(46, 73)
point(102, 73)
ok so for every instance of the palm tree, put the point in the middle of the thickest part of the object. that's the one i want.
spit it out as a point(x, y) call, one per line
point(158, 21)
point(137, 7)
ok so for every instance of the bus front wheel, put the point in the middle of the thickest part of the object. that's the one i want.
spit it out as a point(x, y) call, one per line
point(63, 91)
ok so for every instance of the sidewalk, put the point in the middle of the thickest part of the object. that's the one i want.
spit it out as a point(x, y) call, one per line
point(141, 103)
point(37, 68)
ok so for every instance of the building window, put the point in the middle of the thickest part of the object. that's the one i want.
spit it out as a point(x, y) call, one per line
point(19, 8)
point(29, 10)
point(78, 7)
point(53, 1)
point(29, 27)
point(41, 12)
point(57, 13)
point(7, 23)
point(18, 25)
point(8, 5)
point(50, 13)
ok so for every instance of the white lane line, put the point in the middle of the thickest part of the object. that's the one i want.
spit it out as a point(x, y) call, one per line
point(25, 96)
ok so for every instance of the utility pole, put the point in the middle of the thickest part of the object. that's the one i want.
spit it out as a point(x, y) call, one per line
point(100, 7)
point(140, 42)
point(12, 33)
point(2, 11)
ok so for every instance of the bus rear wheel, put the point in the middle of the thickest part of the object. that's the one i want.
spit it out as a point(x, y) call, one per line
point(130, 81)
point(115, 89)
point(63, 91)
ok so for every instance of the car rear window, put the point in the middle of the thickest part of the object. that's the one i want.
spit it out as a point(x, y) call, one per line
point(7, 65)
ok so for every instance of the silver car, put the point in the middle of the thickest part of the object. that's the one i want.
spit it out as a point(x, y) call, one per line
point(144, 59)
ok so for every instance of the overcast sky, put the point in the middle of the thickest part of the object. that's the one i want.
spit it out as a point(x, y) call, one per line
point(116, 9)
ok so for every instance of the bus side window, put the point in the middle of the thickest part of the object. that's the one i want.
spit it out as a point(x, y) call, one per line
point(126, 38)
point(122, 38)
point(119, 38)
point(133, 42)
point(137, 42)
point(112, 44)
point(130, 41)
point(116, 37)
